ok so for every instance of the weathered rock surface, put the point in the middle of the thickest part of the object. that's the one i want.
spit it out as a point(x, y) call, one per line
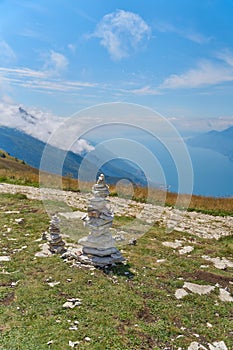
point(215, 346)
point(224, 295)
point(219, 263)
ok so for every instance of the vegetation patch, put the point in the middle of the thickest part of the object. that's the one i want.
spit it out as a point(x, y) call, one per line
point(131, 306)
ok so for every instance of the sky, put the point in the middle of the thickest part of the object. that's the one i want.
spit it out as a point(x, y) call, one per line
point(174, 56)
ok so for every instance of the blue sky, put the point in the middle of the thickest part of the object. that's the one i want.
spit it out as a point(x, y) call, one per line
point(174, 56)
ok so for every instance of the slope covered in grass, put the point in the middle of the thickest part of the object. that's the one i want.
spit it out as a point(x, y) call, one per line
point(130, 306)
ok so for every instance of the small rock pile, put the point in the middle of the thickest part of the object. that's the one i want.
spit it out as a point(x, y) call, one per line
point(56, 244)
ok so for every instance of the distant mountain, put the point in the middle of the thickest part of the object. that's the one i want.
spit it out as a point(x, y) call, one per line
point(219, 141)
point(30, 149)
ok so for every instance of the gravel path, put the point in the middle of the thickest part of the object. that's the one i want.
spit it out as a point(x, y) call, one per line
point(201, 225)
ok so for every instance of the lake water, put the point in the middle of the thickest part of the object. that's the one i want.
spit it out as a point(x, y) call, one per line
point(213, 173)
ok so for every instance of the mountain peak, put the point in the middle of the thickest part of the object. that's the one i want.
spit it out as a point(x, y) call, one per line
point(27, 116)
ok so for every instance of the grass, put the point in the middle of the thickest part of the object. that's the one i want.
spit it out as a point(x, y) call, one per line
point(130, 306)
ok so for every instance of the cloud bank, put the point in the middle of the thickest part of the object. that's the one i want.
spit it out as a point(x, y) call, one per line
point(38, 124)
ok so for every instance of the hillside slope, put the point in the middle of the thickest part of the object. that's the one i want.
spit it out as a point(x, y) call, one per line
point(13, 164)
point(31, 150)
point(219, 141)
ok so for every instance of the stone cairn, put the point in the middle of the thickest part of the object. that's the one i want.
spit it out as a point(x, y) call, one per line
point(99, 246)
point(55, 242)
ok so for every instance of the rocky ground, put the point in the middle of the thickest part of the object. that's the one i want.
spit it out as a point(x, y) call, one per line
point(201, 225)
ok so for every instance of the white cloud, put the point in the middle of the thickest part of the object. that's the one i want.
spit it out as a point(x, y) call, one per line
point(122, 32)
point(55, 63)
point(206, 73)
point(227, 56)
point(145, 90)
point(202, 124)
point(6, 52)
point(40, 80)
point(72, 47)
point(39, 124)
point(187, 33)
point(23, 72)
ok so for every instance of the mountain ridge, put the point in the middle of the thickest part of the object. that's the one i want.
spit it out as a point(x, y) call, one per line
point(219, 141)
point(31, 150)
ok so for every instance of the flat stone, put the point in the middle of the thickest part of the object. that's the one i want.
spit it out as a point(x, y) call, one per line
point(107, 260)
point(219, 263)
point(197, 288)
point(224, 295)
point(103, 242)
point(99, 252)
point(180, 293)
point(186, 249)
point(5, 258)
point(218, 345)
point(173, 245)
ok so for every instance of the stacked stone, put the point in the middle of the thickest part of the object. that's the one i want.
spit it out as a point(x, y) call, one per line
point(56, 244)
point(99, 245)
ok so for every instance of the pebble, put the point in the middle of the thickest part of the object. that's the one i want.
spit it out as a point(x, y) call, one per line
point(72, 344)
point(19, 221)
point(53, 284)
point(72, 303)
point(87, 339)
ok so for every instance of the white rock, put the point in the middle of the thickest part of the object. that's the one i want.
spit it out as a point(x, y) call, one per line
point(173, 245)
point(224, 295)
point(19, 220)
point(197, 288)
point(186, 249)
point(72, 303)
point(87, 339)
point(196, 346)
point(5, 258)
point(180, 293)
point(209, 325)
point(218, 346)
point(219, 263)
point(53, 284)
point(72, 344)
